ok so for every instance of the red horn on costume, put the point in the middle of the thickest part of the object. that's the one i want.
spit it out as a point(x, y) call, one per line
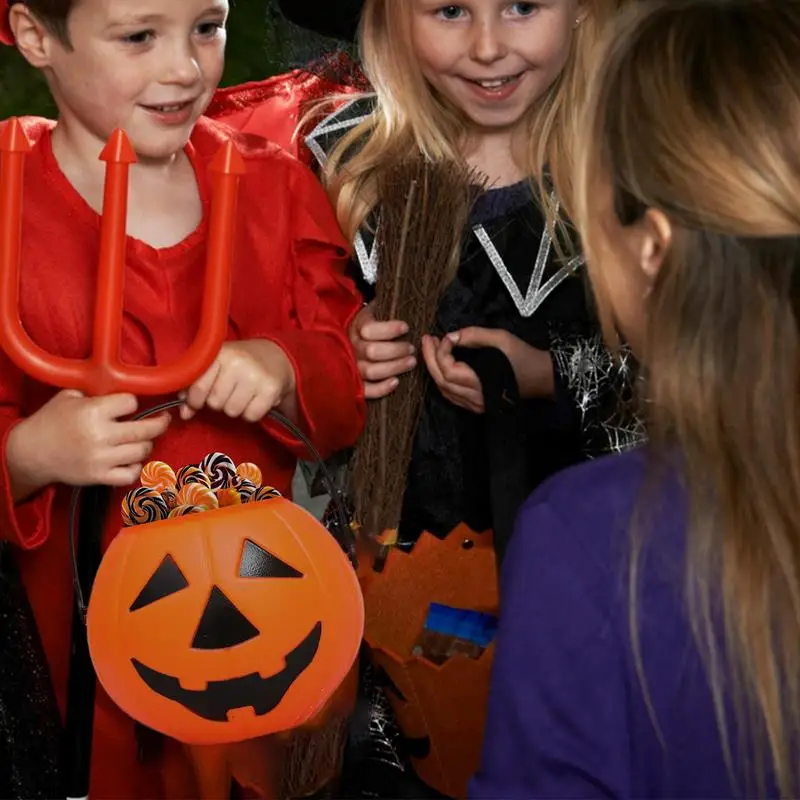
point(6, 36)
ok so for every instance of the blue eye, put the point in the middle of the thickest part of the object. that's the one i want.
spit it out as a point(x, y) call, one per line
point(210, 29)
point(524, 9)
point(450, 12)
point(140, 37)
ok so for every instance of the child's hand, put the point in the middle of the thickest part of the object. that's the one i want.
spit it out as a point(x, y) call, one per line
point(456, 381)
point(248, 379)
point(533, 368)
point(380, 358)
point(81, 441)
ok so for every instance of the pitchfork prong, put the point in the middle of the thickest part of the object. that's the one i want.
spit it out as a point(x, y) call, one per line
point(103, 372)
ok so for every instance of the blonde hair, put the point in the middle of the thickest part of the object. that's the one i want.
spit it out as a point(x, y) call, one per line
point(695, 110)
point(410, 119)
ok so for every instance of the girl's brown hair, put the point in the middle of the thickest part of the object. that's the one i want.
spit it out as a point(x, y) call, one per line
point(409, 118)
point(695, 110)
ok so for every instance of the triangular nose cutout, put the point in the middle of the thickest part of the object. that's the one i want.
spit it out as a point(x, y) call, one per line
point(222, 625)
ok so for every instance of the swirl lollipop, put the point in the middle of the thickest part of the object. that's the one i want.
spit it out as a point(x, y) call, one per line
point(182, 511)
point(195, 494)
point(249, 472)
point(229, 497)
point(220, 469)
point(265, 493)
point(192, 474)
point(246, 489)
point(170, 498)
point(143, 505)
point(159, 476)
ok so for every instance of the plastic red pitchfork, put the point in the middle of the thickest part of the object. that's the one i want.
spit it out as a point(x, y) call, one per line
point(103, 372)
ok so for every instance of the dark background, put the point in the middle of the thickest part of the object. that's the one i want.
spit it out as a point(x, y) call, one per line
point(260, 43)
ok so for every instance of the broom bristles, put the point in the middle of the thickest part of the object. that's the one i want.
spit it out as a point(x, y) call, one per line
point(423, 215)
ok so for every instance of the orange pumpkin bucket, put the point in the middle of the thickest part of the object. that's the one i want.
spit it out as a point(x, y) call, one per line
point(218, 624)
point(224, 626)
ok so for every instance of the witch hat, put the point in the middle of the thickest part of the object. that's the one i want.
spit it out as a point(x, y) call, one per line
point(337, 19)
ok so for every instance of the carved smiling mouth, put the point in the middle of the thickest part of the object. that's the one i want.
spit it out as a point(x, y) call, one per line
point(219, 697)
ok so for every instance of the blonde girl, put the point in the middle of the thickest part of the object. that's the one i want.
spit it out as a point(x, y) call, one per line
point(519, 384)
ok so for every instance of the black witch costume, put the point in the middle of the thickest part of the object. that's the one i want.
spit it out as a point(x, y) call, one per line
point(479, 468)
point(469, 469)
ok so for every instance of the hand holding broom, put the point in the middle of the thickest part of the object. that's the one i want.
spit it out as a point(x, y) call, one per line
point(381, 353)
point(423, 214)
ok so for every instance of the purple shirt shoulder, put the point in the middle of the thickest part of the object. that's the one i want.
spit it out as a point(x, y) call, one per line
point(568, 717)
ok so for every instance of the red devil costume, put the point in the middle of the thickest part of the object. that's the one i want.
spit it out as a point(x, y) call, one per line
point(287, 287)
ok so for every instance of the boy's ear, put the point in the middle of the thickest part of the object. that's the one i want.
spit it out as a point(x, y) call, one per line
point(32, 38)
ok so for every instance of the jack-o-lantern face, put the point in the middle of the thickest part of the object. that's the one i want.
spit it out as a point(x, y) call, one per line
point(225, 625)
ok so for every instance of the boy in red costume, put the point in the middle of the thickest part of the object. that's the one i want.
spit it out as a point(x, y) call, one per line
point(151, 67)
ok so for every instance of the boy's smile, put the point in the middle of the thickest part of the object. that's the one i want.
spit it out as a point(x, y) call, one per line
point(147, 66)
point(173, 114)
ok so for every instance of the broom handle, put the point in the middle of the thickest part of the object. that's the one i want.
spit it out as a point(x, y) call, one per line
point(401, 258)
point(384, 411)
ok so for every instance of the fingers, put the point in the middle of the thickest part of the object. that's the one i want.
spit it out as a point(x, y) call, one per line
point(126, 454)
point(380, 359)
point(143, 430)
point(455, 372)
point(225, 384)
point(480, 337)
point(362, 318)
point(114, 406)
point(374, 331)
point(123, 476)
point(382, 351)
point(374, 391)
point(457, 382)
point(186, 412)
point(238, 400)
point(470, 399)
point(236, 386)
point(430, 345)
point(197, 395)
point(258, 408)
point(380, 371)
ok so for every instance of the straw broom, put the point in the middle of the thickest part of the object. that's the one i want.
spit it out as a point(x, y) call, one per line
point(423, 216)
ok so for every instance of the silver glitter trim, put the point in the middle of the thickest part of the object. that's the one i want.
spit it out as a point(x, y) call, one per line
point(537, 292)
point(367, 258)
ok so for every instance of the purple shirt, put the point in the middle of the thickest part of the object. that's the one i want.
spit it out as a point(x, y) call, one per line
point(567, 714)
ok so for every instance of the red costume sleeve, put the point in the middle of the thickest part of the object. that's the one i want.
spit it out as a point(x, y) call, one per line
point(320, 302)
point(26, 524)
point(275, 107)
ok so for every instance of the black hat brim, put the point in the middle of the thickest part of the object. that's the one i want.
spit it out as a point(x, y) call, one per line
point(337, 19)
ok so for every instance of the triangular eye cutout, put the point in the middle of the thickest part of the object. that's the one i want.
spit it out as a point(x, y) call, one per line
point(258, 563)
point(166, 580)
